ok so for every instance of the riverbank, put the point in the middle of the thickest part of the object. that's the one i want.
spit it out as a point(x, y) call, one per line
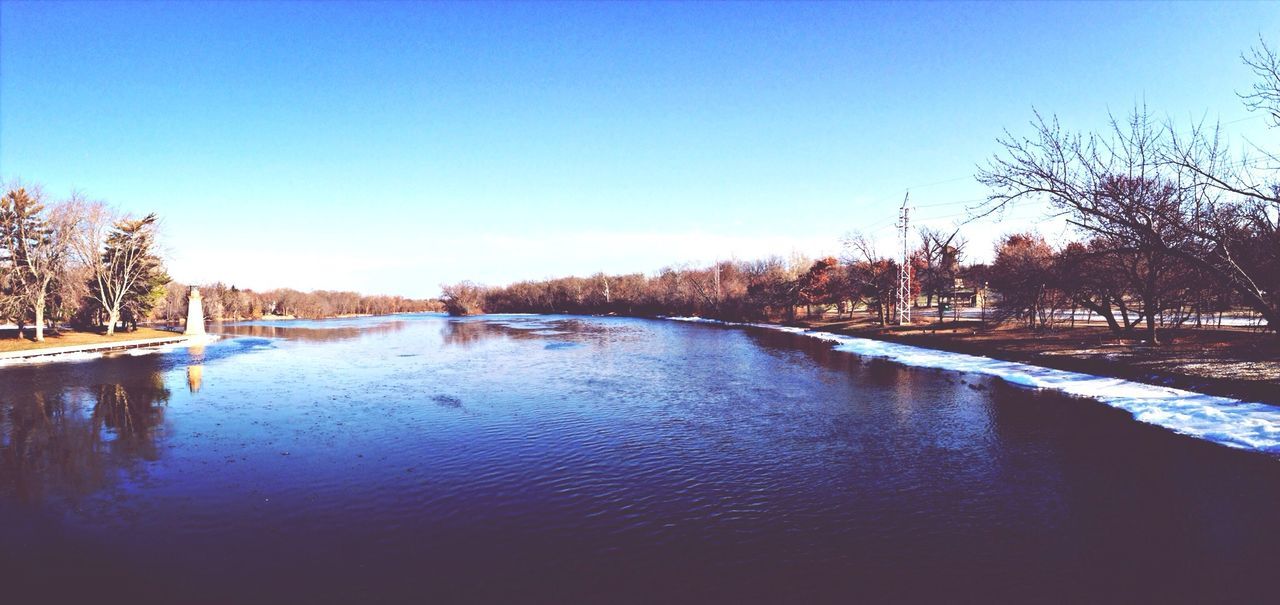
point(10, 342)
point(69, 352)
point(1235, 363)
point(1225, 420)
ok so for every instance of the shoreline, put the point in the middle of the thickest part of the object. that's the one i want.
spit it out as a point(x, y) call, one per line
point(1235, 423)
point(96, 350)
point(1114, 361)
point(1223, 362)
point(1246, 422)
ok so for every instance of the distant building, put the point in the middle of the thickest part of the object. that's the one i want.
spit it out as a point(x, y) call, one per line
point(965, 294)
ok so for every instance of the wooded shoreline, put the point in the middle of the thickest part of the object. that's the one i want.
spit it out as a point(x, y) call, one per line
point(1238, 363)
point(1224, 362)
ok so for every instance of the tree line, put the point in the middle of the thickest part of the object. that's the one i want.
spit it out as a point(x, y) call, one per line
point(229, 303)
point(1171, 228)
point(1168, 214)
point(75, 261)
point(1029, 281)
point(80, 263)
point(759, 290)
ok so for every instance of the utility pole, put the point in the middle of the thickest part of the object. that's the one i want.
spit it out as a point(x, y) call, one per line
point(904, 268)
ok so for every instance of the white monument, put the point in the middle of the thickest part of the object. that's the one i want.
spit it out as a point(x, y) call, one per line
point(195, 314)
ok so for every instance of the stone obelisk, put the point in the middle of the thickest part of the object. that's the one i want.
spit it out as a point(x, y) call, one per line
point(195, 314)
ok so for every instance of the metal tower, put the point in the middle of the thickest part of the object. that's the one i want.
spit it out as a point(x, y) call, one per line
point(904, 267)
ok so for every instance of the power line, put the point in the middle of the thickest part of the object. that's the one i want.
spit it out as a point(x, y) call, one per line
point(1250, 162)
point(951, 203)
point(1244, 119)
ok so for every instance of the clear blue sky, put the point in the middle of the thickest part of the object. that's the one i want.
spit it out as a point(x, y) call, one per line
point(390, 147)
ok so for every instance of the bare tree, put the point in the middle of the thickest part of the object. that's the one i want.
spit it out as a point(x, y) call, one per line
point(930, 255)
point(871, 278)
point(1237, 218)
point(1265, 94)
point(1132, 187)
point(1171, 194)
point(938, 262)
point(119, 252)
point(463, 298)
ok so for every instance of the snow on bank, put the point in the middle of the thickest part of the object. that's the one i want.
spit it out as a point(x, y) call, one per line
point(105, 350)
point(56, 357)
point(1223, 420)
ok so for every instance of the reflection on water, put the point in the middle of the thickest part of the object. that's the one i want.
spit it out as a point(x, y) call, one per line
point(195, 371)
point(466, 333)
point(309, 330)
point(66, 443)
point(69, 430)
point(555, 331)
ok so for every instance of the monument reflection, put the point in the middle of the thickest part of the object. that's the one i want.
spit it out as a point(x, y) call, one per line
point(195, 371)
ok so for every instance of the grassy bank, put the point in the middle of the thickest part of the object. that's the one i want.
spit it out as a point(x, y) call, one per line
point(1230, 362)
point(10, 342)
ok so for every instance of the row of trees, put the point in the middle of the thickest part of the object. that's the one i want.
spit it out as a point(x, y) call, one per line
point(767, 289)
point(1163, 210)
point(1130, 290)
point(75, 261)
point(730, 290)
point(1029, 281)
point(229, 303)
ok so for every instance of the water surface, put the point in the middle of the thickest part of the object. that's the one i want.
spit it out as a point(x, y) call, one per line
point(539, 459)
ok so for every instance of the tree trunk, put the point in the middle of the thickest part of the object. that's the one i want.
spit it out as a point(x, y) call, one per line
point(1103, 309)
point(40, 317)
point(113, 316)
point(1151, 304)
point(1111, 321)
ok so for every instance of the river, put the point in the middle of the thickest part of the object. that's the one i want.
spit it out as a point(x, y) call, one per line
point(553, 458)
